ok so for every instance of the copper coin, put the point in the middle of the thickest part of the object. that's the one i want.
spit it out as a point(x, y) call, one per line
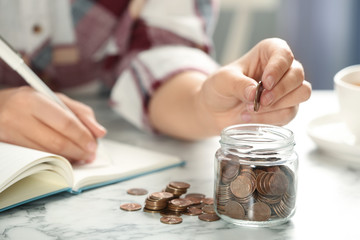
point(273, 169)
point(291, 177)
point(259, 211)
point(137, 191)
point(201, 205)
point(168, 213)
point(194, 200)
point(181, 185)
point(171, 220)
point(208, 209)
point(181, 202)
point(208, 201)
point(176, 191)
point(208, 217)
point(130, 206)
point(193, 211)
point(278, 183)
point(196, 195)
point(260, 182)
point(288, 172)
point(241, 187)
point(234, 210)
point(150, 211)
point(259, 90)
point(230, 171)
point(161, 195)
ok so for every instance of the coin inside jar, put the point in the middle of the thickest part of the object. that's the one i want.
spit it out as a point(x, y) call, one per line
point(259, 90)
point(259, 211)
point(235, 210)
point(241, 187)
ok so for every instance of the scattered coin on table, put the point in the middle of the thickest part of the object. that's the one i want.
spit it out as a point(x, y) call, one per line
point(137, 191)
point(130, 206)
point(209, 217)
point(171, 220)
point(170, 206)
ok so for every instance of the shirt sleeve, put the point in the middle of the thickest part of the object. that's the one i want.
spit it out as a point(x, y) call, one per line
point(174, 36)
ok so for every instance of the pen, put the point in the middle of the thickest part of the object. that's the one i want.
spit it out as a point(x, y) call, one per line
point(12, 58)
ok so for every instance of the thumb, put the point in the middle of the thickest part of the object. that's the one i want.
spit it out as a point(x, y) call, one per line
point(246, 89)
point(234, 83)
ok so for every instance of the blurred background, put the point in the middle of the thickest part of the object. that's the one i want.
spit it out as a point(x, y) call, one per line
point(323, 34)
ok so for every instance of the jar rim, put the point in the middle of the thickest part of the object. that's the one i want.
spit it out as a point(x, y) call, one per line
point(257, 138)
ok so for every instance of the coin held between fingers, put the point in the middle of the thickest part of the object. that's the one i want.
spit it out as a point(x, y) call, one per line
point(259, 90)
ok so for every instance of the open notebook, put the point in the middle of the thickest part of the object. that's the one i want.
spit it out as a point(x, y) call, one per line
point(27, 174)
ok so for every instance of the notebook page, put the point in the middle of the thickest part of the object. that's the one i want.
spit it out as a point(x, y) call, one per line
point(121, 161)
point(16, 159)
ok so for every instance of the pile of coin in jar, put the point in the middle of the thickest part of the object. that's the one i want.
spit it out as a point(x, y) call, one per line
point(254, 193)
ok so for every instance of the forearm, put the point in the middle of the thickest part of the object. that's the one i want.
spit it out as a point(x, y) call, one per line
point(176, 108)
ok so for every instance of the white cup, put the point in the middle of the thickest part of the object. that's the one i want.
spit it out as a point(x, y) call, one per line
point(347, 87)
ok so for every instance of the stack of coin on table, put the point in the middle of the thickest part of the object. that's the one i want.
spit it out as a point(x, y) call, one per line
point(171, 206)
point(255, 193)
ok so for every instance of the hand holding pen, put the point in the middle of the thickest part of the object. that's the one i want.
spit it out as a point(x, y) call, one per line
point(44, 120)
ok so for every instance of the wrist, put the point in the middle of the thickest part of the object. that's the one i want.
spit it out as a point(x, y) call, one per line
point(204, 116)
point(177, 109)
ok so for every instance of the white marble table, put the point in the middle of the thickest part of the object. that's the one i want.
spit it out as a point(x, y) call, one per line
point(328, 204)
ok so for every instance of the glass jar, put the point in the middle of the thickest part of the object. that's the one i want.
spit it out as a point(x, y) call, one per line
point(255, 175)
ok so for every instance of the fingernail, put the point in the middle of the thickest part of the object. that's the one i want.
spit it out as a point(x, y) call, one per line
point(92, 146)
point(246, 117)
point(249, 92)
point(269, 81)
point(81, 162)
point(101, 127)
point(91, 158)
point(96, 124)
point(268, 98)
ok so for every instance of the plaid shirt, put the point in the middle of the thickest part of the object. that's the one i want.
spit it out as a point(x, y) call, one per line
point(130, 47)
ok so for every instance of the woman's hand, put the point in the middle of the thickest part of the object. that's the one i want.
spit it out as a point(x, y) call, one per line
point(228, 95)
point(30, 119)
point(192, 105)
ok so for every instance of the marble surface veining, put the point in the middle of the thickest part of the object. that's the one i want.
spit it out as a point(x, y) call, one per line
point(328, 202)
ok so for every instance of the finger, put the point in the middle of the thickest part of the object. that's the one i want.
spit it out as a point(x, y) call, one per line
point(278, 117)
point(95, 128)
point(85, 115)
point(52, 115)
point(233, 83)
point(50, 140)
point(227, 88)
point(18, 138)
point(295, 97)
point(290, 81)
point(45, 139)
point(278, 64)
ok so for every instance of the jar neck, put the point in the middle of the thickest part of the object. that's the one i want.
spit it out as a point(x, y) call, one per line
point(257, 140)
